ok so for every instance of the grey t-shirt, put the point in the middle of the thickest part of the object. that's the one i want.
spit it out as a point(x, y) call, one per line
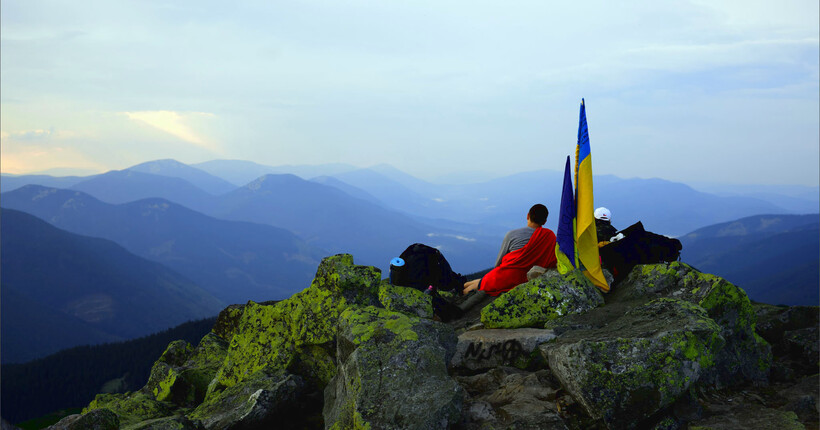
point(514, 239)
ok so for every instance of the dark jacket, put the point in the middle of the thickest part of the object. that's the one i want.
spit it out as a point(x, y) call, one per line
point(605, 230)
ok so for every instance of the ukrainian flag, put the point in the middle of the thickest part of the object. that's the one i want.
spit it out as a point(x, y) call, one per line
point(565, 242)
point(586, 238)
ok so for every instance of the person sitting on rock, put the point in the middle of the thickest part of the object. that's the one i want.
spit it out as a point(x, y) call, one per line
point(521, 249)
point(603, 225)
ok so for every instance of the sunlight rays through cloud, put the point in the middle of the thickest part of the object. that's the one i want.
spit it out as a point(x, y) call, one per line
point(177, 124)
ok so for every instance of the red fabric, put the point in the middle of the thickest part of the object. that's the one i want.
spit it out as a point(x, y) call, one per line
point(539, 251)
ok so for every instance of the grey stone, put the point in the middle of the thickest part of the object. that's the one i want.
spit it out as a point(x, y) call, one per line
point(392, 373)
point(258, 401)
point(98, 419)
point(483, 349)
point(639, 364)
point(543, 299)
point(750, 417)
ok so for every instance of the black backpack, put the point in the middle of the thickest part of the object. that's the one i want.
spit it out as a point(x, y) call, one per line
point(425, 266)
point(638, 247)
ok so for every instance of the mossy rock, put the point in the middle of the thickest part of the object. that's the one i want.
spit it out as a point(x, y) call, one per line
point(276, 336)
point(392, 373)
point(357, 284)
point(167, 423)
point(183, 373)
point(750, 417)
point(227, 322)
point(131, 408)
point(268, 398)
point(98, 419)
point(639, 364)
point(540, 300)
point(746, 356)
point(406, 300)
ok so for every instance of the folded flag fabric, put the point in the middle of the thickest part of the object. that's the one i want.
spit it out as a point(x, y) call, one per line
point(565, 246)
point(586, 238)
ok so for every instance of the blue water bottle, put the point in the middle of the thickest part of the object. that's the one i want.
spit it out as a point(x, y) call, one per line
point(395, 265)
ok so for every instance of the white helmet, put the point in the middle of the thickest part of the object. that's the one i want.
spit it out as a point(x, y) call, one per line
point(603, 213)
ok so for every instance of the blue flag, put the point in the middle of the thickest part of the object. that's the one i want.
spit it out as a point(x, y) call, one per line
point(565, 244)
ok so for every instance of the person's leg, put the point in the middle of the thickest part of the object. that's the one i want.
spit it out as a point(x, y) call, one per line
point(471, 286)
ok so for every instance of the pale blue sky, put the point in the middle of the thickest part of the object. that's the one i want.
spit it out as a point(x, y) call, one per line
point(721, 91)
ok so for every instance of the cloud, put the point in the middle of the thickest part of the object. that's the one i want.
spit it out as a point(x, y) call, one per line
point(33, 158)
point(176, 124)
point(36, 135)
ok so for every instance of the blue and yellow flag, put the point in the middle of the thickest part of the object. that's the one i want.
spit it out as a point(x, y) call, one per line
point(586, 238)
point(565, 237)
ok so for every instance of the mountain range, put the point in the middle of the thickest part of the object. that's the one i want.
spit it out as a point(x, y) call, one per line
point(774, 258)
point(234, 261)
point(262, 239)
point(61, 289)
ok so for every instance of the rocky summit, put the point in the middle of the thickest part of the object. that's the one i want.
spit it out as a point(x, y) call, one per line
point(669, 348)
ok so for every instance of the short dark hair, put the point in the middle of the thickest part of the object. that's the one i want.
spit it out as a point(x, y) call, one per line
point(538, 214)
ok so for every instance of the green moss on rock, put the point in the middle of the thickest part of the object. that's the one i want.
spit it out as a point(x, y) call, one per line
point(382, 355)
point(406, 300)
point(227, 322)
point(542, 299)
point(638, 364)
point(183, 378)
point(274, 336)
point(745, 357)
point(131, 408)
point(265, 399)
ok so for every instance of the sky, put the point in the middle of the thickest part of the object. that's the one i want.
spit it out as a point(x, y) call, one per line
point(706, 91)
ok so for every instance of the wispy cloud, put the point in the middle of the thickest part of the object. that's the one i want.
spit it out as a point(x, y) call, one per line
point(176, 124)
point(36, 135)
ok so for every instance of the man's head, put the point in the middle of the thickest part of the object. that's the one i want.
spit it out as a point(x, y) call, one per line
point(603, 214)
point(538, 214)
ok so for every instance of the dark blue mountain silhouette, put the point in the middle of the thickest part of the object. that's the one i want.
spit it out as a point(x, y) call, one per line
point(775, 258)
point(55, 281)
point(234, 261)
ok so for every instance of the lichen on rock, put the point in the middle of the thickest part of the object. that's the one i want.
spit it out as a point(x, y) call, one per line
point(406, 300)
point(131, 408)
point(392, 373)
point(547, 297)
point(274, 336)
point(639, 364)
point(746, 356)
point(262, 400)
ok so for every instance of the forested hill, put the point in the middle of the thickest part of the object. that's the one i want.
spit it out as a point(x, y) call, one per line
point(71, 378)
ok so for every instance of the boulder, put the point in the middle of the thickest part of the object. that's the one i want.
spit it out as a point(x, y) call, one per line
point(131, 408)
point(98, 419)
point(406, 300)
point(261, 400)
point(746, 357)
point(750, 417)
point(547, 297)
point(182, 374)
point(505, 398)
point(792, 332)
point(277, 336)
point(392, 373)
point(637, 365)
point(168, 423)
point(484, 349)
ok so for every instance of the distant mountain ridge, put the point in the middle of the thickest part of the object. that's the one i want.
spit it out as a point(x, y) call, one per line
point(479, 212)
point(234, 261)
point(174, 169)
point(775, 258)
point(56, 285)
